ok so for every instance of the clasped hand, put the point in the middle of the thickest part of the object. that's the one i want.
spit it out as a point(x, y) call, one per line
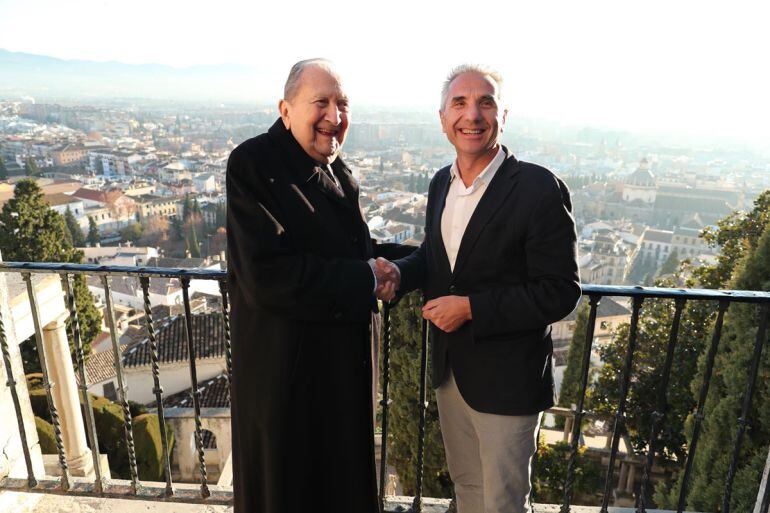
point(388, 279)
point(447, 313)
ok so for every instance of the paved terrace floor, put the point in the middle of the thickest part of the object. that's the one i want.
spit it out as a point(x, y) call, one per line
point(22, 502)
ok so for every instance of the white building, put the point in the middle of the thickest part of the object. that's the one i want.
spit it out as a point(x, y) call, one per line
point(204, 183)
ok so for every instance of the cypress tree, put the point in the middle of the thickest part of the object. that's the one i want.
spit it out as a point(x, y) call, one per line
point(93, 237)
point(30, 231)
point(406, 321)
point(725, 398)
point(570, 385)
point(30, 167)
point(76, 233)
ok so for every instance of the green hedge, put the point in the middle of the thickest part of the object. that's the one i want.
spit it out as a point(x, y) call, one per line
point(108, 417)
point(46, 436)
point(149, 449)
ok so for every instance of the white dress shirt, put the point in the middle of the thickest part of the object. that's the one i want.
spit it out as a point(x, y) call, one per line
point(461, 202)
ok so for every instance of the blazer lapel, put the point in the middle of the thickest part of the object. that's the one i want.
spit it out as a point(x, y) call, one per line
point(497, 191)
point(442, 190)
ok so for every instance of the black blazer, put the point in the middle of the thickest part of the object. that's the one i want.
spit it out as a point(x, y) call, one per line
point(517, 262)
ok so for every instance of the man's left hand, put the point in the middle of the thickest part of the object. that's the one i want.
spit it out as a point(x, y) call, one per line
point(448, 313)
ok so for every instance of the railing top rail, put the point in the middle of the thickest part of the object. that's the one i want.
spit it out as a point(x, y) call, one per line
point(743, 296)
point(112, 270)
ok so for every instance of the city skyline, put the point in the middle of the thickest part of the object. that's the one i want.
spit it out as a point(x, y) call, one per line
point(651, 68)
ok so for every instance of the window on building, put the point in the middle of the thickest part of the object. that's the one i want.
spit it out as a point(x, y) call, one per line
point(109, 391)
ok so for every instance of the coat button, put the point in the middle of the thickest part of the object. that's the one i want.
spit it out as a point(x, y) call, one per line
point(452, 289)
point(338, 315)
point(354, 239)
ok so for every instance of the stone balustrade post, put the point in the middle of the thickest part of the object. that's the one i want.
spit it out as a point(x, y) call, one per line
point(65, 397)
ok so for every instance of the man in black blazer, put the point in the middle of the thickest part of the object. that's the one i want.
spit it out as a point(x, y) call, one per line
point(497, 266)
point(300, 277)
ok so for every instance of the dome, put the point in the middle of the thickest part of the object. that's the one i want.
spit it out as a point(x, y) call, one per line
point(642, 177)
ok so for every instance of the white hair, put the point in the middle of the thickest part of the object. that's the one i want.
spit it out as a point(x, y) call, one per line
point(292, 82)
point(481, 69)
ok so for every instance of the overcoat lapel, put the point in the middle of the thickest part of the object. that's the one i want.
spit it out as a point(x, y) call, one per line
point(493, 198)
point(348, 184)
point(315, 184)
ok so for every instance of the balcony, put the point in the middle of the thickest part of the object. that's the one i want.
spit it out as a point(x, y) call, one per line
point(37, 299)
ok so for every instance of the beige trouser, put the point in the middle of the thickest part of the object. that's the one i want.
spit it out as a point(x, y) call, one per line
point(489, 456)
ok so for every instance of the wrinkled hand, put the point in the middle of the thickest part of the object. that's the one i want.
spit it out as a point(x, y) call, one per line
point(448, 313)
point(388, 279)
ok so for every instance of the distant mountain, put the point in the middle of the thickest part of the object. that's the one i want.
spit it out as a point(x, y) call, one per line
point(38, 75)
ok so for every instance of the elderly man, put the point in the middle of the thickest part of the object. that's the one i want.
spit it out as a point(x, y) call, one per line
point(302, 284)
point(497, 266)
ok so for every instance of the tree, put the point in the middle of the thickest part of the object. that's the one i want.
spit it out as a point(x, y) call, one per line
point(570, 385)
point(76, 233)
point(550, 467)
point(729, 382)
point(155, 230)
point(192, 219)
point(192, 240)
point(93, 237)
point(132, 233)
point(737, 235)
point(186, 208)
point(221, 216)
point(404, 411)
point(652, 339)
point(3, 169)
point(30, 231)
point(177, 229)
point(670, 265)
point(30, 167)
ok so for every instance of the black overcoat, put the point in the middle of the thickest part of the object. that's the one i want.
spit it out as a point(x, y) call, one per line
point(517, 263)
point(301, 302)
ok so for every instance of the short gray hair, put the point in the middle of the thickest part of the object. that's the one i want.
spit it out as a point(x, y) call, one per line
point(481, 69)
point(292, 82)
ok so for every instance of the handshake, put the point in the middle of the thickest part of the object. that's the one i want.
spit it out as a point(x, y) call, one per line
point(388, 278)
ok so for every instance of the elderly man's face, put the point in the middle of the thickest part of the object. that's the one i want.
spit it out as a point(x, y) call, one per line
point(471, 118)
point(318, 114)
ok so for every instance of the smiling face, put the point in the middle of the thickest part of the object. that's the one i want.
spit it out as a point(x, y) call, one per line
point(317, 114)
point(471, 117)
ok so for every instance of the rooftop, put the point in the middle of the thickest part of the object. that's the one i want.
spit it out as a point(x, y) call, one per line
point(171, 336)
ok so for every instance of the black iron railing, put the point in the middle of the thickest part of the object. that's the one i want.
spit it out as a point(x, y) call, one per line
point(638, 295)
point(100, 486)
point(169, 491)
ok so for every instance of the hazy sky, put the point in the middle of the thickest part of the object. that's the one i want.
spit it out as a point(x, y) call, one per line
point(701, 67)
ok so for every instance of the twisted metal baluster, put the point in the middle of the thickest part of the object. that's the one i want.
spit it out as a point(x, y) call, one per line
point(423, 407)
point(659, 414)
point(579, 411)
point(196, 394)
point(47, 384)
point(384, 402)
point(123, 398)
point(11, 383)
point(69, 297)
point(699, 416)
point(157, 389)
point(747, 396)
point(617, 430)
point(228, 345)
